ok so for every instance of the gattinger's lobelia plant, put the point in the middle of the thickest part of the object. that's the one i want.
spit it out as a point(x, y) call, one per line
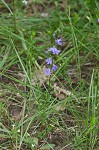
point(50, 61)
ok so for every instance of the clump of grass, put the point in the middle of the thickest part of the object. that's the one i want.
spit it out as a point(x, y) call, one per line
point(33, 116)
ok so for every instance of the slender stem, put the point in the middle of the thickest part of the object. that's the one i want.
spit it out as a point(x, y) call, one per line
point(14, 14)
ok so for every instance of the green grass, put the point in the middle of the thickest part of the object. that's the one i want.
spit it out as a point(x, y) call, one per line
point(33, 114)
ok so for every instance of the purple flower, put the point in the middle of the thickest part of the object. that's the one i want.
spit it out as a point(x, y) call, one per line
point(47, 71)
point(54, 50)
point(59, 42)
point(48, 61)
point(54, 67)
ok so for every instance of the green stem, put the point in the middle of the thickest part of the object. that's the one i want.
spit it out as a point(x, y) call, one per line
point(14, 15)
